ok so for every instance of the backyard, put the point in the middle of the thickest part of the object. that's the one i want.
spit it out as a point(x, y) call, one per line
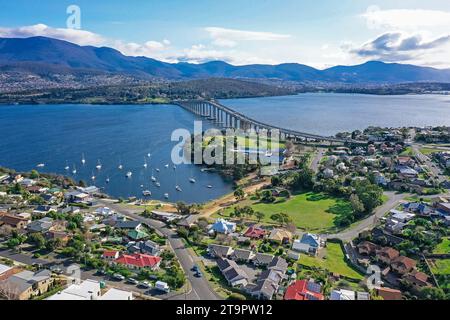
point(443, 247)
point(331, 258)
point(314, 212)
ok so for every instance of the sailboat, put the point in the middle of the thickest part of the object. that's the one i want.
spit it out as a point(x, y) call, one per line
point(153, 177)
point(149, 154)
point(209, 186)
point(74, 171)
point(166, 195)
point(83, 159)
point(99, 165)
point(147, 193)
point(177, 187)
point(41, 165)
point(108, 180)
point(67, 168)
point(157, 170)
point(158, 184)
point(167, 166)
point(129, 174)
point(192, 179)
point(145, 163)
point(93, 177)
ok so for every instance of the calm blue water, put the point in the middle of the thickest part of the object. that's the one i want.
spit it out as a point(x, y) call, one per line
point(328, 114)
point(59, 134)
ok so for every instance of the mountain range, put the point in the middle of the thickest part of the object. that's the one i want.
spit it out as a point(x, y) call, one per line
point(45, 56)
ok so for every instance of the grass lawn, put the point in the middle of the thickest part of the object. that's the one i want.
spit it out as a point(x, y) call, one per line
point(443, 247)
point(440, 266)
point(313, 212)
point(333, 261)
point(428, 151)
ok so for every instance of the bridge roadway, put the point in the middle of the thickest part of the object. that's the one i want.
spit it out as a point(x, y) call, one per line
point(233, 119)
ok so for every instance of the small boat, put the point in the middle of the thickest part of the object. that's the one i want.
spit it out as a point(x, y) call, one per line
point(107, 180)
point(41, 165)
point(67, 168)
point(93, 178)
point(158, 184)
point(129, 174)
point(157, 170)
point(153, 179)
point(178, 189)
point(192, 180)
point(146, 193)
point(120, 167)
point(83, 160)
point(149, 154)
point(209, 186)
point(99, 165)
point(145, 164)
point(142, 186)
point(167, 166)
point(174, 167)
point(74, 171)
point(166, 195)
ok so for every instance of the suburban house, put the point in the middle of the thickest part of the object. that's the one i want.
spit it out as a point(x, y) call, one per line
point(403, 265)
point(138, 261)
point(387, 255)
point(304, 290)
point(42, 225)
point(188, 222)
point(26, 284)
point(402, 216)
point(342, 294)
point(278, 264)
point(255, 233)
point(110, 255)
point(218, 251)
point(235, 276)
point(128, 225)
point(389, 294)
point(242, 255)
point(137, 235)
point(223, 226)
point(444, 206)
point(14, 221)
point(367, 248)
point(418, 280)
point(165, 216)
point(280, 236)
point(309, 243)
point(262, 259)
point(63, 236)
point(146, 247)
point(90, 290)
point(5, 271)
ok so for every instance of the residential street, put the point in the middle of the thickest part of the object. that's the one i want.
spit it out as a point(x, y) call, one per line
point(200, 288)
point(316, 160)
point(369, 222)
point(434, 168)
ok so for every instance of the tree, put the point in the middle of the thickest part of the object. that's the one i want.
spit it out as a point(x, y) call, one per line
point(38, 240)
point(357, 205)
point(34, 174)
point(370, 194)
point(259, 216)
point(276, 181)
point(304, 179)
point(282, 218)
point(267, 196)
point(433, 293)
point(239, 194)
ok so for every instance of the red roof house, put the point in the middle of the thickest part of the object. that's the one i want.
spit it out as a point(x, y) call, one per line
point(255, 233)
point(304, 290)
point(110, 254)
point(139, 261)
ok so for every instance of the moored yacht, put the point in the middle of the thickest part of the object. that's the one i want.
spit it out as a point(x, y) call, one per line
point(129, 174)
point(146, 193)
point(99, 165)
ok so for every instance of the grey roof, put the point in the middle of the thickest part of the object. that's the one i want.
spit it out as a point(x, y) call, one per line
point(25, 279)
point(278, 264)
point(218, 250)
point(271, 275)
point(242, 254)
point(223, 264)
point(263, 258)
point(41, 225)
point(127, 224)
point(266, 288)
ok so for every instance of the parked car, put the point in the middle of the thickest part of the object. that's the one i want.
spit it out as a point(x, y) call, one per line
point(132, 281)
point(119, 277)
point(145, 285)
point(198, 274)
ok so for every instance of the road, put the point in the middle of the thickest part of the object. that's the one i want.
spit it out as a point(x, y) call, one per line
point(434, 168)
point(315, 163)
point(370, 222)
point(200, 287)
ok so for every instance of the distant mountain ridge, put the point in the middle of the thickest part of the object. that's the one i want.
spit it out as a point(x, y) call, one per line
point(42, 55)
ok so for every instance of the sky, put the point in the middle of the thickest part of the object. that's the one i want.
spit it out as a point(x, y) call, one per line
point(320, 33)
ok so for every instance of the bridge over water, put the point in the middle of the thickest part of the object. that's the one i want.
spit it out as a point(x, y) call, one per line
point(230, 118)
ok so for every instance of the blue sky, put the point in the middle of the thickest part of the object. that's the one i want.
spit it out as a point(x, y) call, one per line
point(318, 33)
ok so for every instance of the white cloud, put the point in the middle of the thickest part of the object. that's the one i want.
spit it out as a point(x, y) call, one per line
point(80, 37)
point(147, 49)
point(223, 37)
point(406, 18)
